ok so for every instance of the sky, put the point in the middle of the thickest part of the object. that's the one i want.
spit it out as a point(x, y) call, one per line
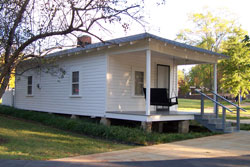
point(173, 16)
point(167, 20)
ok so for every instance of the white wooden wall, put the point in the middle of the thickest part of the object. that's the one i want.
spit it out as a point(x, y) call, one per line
point(120, 81)
point(54, 95)
point(8, 97)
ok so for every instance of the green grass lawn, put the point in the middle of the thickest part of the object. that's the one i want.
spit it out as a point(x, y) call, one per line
point(194, 104)
point(233, 115)
point(25, 140)
point(189, 104)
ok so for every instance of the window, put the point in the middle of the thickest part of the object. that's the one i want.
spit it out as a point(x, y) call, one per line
point(29, 87)
point(75, 83)
point(138, 83)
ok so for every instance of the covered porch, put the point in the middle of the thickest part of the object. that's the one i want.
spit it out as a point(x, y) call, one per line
point(143, 59)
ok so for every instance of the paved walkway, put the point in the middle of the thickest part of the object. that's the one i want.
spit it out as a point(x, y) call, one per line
point(216, 151)
point(235, 144)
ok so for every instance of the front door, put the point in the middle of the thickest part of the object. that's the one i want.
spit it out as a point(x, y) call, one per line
point(163, 73)
point(163, 80)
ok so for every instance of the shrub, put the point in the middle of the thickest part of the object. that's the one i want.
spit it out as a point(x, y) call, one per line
point(117, 133)
point(244, 127)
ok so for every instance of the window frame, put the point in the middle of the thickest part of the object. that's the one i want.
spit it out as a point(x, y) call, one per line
point(75, 83)
point(134, 70)
point(71, 83)
point(29, 85)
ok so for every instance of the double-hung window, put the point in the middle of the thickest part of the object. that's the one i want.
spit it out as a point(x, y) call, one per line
point(75, 83)
point(138, 83)
point(29, 85)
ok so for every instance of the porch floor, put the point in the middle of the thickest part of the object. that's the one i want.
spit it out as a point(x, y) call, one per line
point(155, 116)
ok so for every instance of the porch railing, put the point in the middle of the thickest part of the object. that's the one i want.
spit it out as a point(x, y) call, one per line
point(224, 108)
point(237, 108)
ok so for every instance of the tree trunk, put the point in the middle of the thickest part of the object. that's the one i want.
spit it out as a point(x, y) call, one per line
point(4, 84)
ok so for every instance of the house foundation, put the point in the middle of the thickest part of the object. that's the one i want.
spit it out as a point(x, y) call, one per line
point(146, 126)
point(183, 126)
point(160, 127)
point(105, 121)
point(74, 116)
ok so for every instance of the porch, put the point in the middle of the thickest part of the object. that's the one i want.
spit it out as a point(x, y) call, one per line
point(158, 118)
point(155, 116)
point(149, 63)
point(130, 70)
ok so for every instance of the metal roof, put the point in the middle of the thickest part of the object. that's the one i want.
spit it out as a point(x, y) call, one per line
point(134, 38)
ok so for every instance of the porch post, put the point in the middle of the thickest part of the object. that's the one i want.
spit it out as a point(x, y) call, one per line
point(215, 89)
point(148, 78)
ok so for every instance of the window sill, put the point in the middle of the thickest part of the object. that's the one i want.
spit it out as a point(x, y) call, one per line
point(75, 96)
point(29, 95)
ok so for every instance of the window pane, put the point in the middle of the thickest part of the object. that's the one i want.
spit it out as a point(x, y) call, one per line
point(75, 89)
point(75, 76)
point(29, 86)
point(29, 80)
point(29, 92)
point(139, 90)
point(139, 82)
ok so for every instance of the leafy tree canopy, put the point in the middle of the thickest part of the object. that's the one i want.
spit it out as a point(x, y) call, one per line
point(209, 31)
point(236, 69)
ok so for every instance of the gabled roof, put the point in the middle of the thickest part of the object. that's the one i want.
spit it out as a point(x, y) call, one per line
point(132, 38)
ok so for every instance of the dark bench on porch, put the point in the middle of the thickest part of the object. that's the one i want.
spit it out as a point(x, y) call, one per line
point(160, 97)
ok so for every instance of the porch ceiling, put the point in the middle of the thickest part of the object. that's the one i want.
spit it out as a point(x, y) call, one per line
point(178, 60)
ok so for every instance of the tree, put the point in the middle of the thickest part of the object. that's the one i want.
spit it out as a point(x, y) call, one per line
point(199, 76)
point(183, 84)
point(236, 70)
point(208, 32)
point(26, 26)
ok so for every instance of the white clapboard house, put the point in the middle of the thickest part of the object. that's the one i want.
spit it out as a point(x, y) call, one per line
point(106, 80)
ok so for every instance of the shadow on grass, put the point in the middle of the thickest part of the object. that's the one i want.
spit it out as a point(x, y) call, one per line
point(33, 141)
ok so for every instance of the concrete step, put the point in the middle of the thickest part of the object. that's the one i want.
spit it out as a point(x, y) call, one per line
point(230, 130)
point(206, 116)
point(227, 130)
point(214, 124)
point(215, 120)
point(220, 126)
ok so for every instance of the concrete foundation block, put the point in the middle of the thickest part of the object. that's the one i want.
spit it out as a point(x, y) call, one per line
point(105, 121)
point(183, 126)
point(74, 116)
point(160, 128)
point(146, 126)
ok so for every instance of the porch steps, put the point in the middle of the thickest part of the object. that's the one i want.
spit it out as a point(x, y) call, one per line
point(214, 124)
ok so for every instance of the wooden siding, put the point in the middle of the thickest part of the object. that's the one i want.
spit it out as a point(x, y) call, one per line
point(120, 80)
point(55, 94)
